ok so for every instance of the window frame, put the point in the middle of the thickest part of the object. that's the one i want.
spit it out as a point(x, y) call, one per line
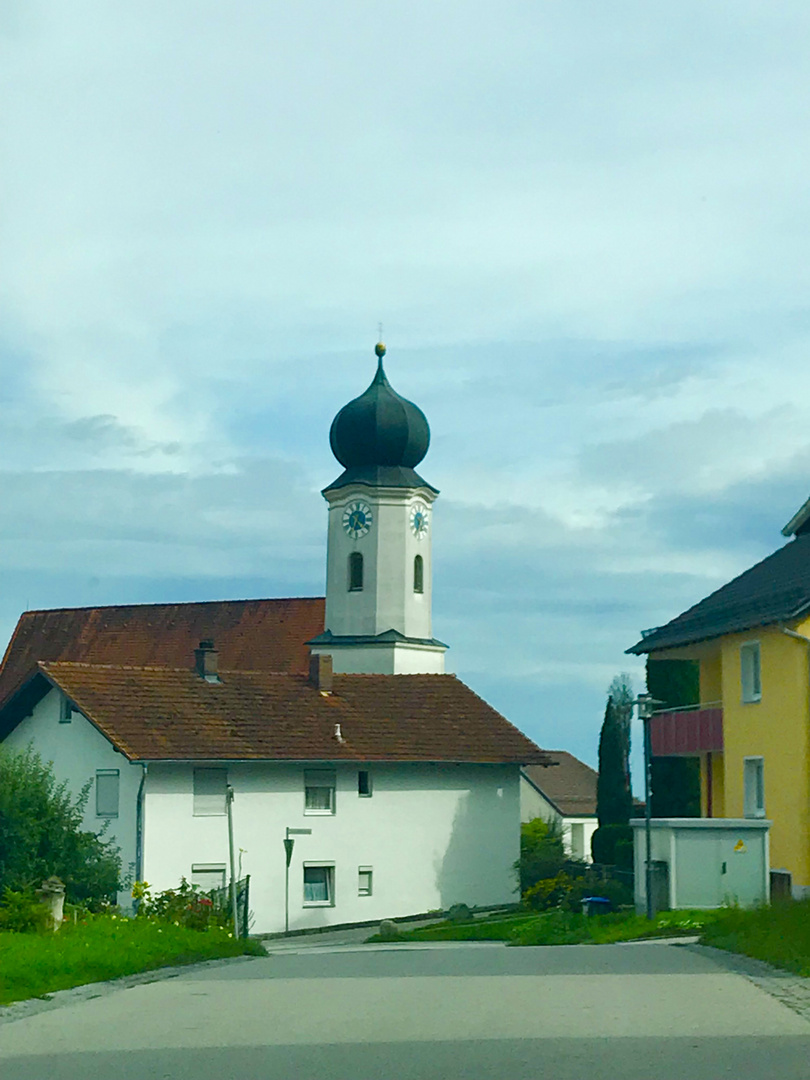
point(197, 806)
point(203, 868)
point(356, 581)
point(116, 773)
point(754, 807)
point(310, 776)
point(329, 879)
point(369, 872)
point(65, 709)
point(750, 672)
point(369, 787)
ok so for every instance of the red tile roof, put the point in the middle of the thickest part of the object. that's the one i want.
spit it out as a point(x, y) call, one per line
point(254, 635)
point(153, 713)
point(570, 785)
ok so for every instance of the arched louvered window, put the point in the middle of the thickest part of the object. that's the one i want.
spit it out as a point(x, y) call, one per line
point(418, 574)
point(355, 572)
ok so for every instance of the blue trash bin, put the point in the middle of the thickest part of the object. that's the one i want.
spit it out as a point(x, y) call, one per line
point(595, 905)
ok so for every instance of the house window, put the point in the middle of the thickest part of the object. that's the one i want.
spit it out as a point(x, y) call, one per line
point(577, 840)
point(364, 783)
point(208, 876)
point(418, 574)
point(210, 787)
point(107, 784)
point(364, 877)
point(65, 710)
point(750, 671)
point(319, 885)
point(754, 787)
point(319, 791)
point(355, 572)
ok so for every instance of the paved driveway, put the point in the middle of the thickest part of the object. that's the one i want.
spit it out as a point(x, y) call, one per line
point(647, 1011)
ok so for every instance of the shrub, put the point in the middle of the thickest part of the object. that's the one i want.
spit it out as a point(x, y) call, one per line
point(21, 912)
point(549, 892)
point(612, 845)
point(541, 853)
point(459, 913)
point(183, 906)
point(41, 832)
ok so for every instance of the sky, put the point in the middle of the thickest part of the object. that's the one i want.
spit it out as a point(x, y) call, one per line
point(583, 227)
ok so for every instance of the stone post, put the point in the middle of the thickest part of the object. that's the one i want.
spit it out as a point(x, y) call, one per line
point(52, 894)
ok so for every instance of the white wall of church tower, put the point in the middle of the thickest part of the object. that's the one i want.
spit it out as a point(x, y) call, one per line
point(388, 599)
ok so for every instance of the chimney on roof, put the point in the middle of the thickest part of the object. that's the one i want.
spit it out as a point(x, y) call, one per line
point(206, 661)
point(320, 672)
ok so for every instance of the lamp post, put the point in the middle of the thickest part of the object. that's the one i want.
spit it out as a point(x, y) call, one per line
point(645, 703)
point(289, 844)
point(229, 803)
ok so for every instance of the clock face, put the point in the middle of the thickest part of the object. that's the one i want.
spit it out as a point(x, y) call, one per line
point(419, 520)
point(357, 519)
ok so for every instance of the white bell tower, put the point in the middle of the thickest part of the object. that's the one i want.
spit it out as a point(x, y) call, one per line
point(379, 566)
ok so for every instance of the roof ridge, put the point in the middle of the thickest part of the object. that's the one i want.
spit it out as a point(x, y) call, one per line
point(168, 603)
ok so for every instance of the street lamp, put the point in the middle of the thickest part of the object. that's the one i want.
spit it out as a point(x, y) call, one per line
point(646, 703)
point(289, 844)
point(229, 805)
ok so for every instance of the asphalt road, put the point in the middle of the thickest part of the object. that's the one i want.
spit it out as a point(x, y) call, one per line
point(472, 1012)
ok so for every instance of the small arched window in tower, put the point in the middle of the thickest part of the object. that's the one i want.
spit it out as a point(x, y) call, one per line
point(418, 574)
point(355, 572)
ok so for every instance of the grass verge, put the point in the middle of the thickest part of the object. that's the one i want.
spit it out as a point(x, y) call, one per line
point(33, 965)
point(562, 928)
point(780, 935)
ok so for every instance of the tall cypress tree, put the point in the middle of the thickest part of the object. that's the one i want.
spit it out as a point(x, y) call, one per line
point(614, 802)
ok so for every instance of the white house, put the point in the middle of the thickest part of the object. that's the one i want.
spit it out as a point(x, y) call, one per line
point(337, 720)
point(565, 793)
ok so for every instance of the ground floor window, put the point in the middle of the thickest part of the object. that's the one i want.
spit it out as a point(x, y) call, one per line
point(364, 876)
point(754, 787)
point(319, 884)
point(208, 876)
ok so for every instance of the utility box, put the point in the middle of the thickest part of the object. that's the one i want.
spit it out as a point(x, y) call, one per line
point(710, 862)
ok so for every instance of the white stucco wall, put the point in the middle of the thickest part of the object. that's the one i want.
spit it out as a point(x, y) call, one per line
point(387, 600)
point(77, 749)
point(396, 658)
point(434, 835)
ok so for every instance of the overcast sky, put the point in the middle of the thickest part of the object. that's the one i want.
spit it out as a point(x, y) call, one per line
point(583, 225)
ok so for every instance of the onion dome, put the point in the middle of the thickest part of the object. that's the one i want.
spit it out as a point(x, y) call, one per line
point(380, 428)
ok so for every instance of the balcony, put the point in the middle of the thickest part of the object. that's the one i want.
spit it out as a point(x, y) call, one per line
point(687, 732)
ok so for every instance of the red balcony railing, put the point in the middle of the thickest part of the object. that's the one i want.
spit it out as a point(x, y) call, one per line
point(687, 732)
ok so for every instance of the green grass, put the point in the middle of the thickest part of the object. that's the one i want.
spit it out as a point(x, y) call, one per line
point(561, 928)
point(780, 935)
point(33, 965)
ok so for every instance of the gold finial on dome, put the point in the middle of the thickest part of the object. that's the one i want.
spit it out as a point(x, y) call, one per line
point(379, 349)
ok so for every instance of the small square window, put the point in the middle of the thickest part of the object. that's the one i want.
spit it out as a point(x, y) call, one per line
point(364, 783)
point(754, 787)
point(319, 885)
point(107, 784)
point(750, 672)
point(319, 791)
point(210, 790)
point(364, 880)
point(208, 876)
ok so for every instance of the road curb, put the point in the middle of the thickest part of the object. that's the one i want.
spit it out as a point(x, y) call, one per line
point(18, 1010)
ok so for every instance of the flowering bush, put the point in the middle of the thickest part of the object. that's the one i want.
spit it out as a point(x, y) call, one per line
point(183, 906)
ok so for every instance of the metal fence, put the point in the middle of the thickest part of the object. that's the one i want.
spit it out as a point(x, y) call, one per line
point(221, 898)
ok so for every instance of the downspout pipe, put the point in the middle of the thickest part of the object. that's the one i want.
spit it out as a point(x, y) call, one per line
point(139, 804)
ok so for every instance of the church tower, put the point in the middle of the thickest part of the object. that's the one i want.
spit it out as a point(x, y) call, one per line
point(378, 571)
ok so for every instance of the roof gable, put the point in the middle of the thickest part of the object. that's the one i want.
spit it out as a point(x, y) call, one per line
point(570, 785)
point(260, 635)
point(776, 589)
point(152, 713)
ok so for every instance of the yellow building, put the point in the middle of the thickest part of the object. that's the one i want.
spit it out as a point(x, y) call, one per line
point(751, 728)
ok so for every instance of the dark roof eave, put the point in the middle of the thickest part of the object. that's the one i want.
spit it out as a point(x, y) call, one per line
point(650, 644)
